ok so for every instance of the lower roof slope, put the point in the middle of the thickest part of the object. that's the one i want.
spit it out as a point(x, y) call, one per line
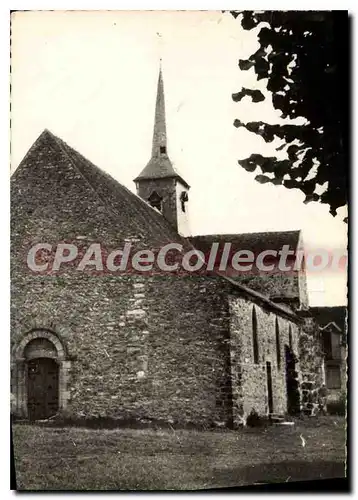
point(254, 242)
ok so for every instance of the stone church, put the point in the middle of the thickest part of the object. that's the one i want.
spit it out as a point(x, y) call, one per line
point(200, 349)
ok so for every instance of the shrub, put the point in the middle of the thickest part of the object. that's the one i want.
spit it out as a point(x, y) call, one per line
point(253, 419)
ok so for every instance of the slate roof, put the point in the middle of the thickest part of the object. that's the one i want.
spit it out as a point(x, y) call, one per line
point(275, 285)
point(255, 242)
point(160, 167)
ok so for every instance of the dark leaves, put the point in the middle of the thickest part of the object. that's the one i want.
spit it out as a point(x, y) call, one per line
point(280, 148)
point(249, 20)
point(292, 152)
point(238, 123)
point(308, 187)
point(234, 13)
point(256, 95)
point(262, 179)
point(257, 160)
point(262, 68)
point(291, 183)
point(311, 197)
point(248, 165)
point(245, 64)
point(303, 71)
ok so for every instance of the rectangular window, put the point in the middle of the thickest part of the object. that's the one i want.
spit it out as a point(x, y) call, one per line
point(163, 150)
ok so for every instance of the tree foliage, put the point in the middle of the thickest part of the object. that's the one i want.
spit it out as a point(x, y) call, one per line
point(303, 55)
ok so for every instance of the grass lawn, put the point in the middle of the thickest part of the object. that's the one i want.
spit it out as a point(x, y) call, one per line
point(132, 459)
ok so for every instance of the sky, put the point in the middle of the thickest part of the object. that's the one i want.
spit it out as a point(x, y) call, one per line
point(90, 78)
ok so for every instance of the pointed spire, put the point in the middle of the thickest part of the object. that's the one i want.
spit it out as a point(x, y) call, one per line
point(159, 165)
point(160, 129)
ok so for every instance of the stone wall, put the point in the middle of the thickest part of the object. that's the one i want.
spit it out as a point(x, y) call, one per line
point(155, 349)
point(141, 346)
point(311, 363)
point(249, 379)
point(302, 277)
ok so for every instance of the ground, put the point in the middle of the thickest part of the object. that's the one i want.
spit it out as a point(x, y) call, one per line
point(141, 459)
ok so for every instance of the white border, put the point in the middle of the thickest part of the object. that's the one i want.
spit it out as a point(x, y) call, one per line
point(8, 5)
point(175, 5)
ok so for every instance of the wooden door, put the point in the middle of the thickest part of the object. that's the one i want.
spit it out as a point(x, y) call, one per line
point(42, 388)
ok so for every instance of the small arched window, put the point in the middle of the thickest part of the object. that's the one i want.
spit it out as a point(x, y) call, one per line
point(155, 201)
point(278, 349)
point(254, 336)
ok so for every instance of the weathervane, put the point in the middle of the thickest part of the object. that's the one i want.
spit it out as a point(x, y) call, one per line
point(159, 35)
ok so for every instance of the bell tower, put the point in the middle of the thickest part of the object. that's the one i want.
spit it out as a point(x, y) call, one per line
point(159, 184)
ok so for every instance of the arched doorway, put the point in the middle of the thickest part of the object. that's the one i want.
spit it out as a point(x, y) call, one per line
point(40, 376)
point(42, 388)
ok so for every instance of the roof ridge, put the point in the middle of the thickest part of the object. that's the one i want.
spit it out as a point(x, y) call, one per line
point(247, 233)
point(34, 145)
